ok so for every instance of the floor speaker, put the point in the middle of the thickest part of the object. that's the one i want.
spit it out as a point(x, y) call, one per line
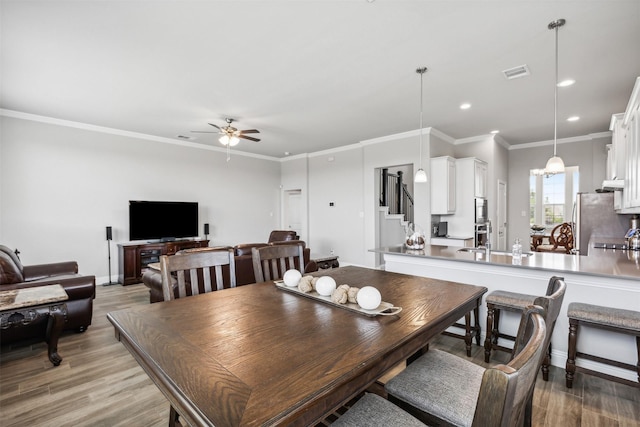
point(109, 238)
point(206, 228)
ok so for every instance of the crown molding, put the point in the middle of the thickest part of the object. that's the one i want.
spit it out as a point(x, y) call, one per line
point(570, 140)
point(125, 133)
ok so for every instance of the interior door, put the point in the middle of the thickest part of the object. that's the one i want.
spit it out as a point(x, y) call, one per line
point(293, 211)
point(502, 216)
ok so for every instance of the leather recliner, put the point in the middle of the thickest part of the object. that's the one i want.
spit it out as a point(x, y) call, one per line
point(81, 290)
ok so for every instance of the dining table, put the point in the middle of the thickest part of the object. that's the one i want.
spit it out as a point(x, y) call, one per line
point(261, 355)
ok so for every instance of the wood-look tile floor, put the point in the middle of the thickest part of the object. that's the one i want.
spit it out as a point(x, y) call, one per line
point(100, 384)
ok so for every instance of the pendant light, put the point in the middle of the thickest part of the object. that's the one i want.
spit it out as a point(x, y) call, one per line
point(555, 164)
point(421, 175)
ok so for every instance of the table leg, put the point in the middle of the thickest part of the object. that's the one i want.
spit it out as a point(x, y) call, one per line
point(54, 330)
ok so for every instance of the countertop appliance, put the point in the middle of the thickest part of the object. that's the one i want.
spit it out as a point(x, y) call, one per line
point(594, 217)
point(442, 229)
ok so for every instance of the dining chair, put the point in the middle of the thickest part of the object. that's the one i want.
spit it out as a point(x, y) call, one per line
point(440, 388)
point(560, 240)
point(271, 262)
point(191, 273)
point(196, 272)
point(498, 301)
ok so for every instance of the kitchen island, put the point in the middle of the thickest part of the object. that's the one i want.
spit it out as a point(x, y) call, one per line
point(605, 277)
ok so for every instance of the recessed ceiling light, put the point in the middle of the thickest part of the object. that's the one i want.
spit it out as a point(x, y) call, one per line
point(495, 131)
point(567, 82)
point(465, 106)
point(286, 153)
point(573, 119)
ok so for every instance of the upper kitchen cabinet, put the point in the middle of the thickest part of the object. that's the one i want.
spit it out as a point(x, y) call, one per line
point(480, 178)
point(624, 161)
point(473, 173)
point(443, 185)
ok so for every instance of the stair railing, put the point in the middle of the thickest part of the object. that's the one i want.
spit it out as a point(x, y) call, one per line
point(395, 195)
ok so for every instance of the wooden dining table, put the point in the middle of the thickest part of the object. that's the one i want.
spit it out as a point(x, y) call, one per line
point(258, 355)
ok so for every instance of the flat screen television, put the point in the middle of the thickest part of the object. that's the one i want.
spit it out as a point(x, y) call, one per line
point(166, 221)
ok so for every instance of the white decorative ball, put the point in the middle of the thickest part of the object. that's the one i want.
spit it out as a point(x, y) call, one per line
point(325, 285)
point(369, 298)
point(291, 277)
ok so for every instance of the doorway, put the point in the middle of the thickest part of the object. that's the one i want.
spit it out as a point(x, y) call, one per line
point(501, 219)
point(292, 218)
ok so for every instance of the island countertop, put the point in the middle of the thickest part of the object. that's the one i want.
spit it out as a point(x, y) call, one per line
point(604, 277)
point(599, 262)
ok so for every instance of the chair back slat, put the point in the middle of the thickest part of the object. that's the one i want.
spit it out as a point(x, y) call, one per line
point(271, 262)
point(505, 389)
point(192, 272)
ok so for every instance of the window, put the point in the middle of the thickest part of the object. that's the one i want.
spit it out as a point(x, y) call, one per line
point(551, 197)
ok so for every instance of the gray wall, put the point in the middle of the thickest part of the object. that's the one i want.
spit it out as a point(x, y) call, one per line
point(61, 186)
point(588, 154)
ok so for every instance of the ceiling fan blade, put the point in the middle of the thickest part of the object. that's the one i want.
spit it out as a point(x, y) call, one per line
point(250, 131)
point(250, 138)
point(215, 126)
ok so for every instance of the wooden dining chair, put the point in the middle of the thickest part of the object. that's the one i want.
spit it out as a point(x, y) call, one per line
point(443, 389)
point(271, 262)
point(560, 240)
point(196, 272)
point(191, 273)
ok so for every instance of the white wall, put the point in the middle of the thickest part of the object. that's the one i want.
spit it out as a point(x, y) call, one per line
point(337, 178)
point(61, 186)
point(588, 154)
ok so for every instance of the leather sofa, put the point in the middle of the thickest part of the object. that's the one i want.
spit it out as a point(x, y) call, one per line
point(81, 290)
point(244, 265)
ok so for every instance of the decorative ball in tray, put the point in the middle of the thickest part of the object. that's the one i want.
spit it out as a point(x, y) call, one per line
point(366, 300)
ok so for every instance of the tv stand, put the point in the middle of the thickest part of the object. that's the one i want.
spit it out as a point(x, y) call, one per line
point(134, 257)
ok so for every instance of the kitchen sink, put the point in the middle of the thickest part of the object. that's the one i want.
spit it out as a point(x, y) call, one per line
point(467, 249)
point(483, 250)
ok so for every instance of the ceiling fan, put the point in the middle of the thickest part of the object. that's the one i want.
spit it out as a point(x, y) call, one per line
point(231, 135)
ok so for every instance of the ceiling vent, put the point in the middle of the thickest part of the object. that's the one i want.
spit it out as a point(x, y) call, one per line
point(185, 137)
point(515, 72)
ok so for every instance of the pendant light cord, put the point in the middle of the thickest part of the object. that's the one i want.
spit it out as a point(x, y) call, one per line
point(421, 71)
point(555, 99)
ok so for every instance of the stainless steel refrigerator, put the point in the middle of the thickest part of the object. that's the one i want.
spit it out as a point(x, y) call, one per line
point(595, 217)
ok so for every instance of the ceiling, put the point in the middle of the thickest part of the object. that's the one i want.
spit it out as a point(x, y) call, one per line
point(315, 75)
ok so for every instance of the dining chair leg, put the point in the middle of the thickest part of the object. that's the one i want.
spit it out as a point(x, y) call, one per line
point(545, 364)
point(173, 418)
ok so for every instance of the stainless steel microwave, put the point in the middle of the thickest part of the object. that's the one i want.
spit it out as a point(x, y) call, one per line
point(481, 211)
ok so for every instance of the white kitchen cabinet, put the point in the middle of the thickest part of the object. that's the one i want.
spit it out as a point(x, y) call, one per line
point(471, 181)
point(443, 185)
point(480, 178)
point(625, 151)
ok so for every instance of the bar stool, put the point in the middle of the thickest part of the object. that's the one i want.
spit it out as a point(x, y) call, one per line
point(514, 302)
point(607, 318)
point(470, 331)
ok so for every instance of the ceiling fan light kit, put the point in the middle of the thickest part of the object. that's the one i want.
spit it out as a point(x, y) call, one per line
point(230, 135)
point(421, 175)
point(555, 164)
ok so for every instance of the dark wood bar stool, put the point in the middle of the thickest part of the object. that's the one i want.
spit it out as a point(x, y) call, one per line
point(607, 318)
point(498, 301)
